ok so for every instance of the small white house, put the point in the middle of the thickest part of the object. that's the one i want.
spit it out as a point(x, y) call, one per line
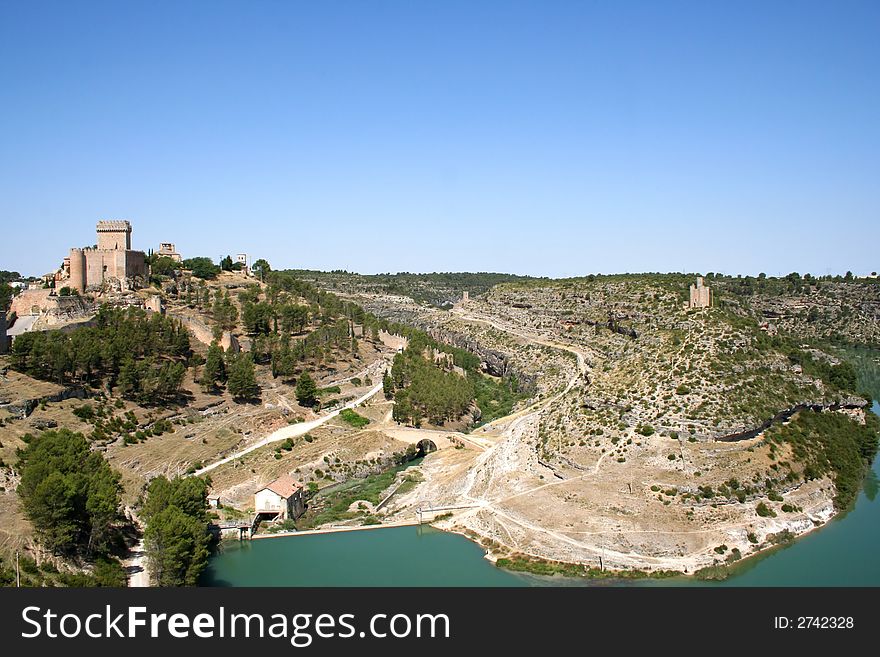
point(284, 497)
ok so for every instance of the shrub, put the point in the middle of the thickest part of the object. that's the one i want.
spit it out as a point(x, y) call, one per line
point(353, 419)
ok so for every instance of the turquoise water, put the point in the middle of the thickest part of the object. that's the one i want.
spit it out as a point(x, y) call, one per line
point(396, 556)
point(843, 553)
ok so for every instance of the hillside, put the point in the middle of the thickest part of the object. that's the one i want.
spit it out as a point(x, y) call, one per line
point(596, 421)
point(647, 443)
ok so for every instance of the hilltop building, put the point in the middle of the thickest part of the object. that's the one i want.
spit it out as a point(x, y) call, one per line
point(112, 258)
point(700, 295)
point(242, 259)
point(284, 498)
point(167, 250)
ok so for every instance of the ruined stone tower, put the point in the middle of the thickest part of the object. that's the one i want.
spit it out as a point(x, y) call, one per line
point(700, 295)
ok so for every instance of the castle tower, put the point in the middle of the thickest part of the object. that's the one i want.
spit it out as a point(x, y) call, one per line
point(114, 235)
point(77, 270)
point(700, 295)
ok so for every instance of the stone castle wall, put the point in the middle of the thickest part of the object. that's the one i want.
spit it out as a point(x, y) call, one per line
point(113, 258)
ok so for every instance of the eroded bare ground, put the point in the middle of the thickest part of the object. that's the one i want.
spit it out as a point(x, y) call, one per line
point(613, 497)
point(608, 464)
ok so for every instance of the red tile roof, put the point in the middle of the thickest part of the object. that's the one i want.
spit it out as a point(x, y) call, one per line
point(285, 486)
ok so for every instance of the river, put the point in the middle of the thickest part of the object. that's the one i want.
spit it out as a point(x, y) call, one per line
point(843, 553)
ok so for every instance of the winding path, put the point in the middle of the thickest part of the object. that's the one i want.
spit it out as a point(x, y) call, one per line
point(290, 431)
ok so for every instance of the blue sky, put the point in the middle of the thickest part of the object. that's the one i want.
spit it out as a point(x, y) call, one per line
point(547, 138)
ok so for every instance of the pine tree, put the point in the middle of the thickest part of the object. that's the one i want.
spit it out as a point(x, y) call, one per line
point(214, 371)
point(306, 390)
point(387, 385)
point(241, 379)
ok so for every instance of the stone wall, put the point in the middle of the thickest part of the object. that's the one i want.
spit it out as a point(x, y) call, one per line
point(32, 302)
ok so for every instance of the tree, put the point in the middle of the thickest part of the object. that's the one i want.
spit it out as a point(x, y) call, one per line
point(387, 385)
point(306, 390)
point(202, 267)
point(6, 294)
point(189, 494)
point(261, 268)
point(226, 264)
point(241, 379)
point(69, 493)
point(294, 318)
point(164, 266)
point(176, 547)
point(214, 371)
point(257, 317)
point(224, 311)
point(283, 361)
point(176, 538)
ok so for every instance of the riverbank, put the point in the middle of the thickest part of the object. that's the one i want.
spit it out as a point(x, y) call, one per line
point(335, 530)
point(841, 553)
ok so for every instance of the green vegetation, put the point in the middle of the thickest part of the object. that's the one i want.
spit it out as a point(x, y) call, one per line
point(224, 311)
point(69, 493)
point(333, 506)
point(162, 266)
point(866, 363)
point(241, 381)
point(144, 355)
point(831, 444)
point(424, 390)
point(536, 566)
point(440, 290)
point(495, 397)
point(106, 571)
point(6, 294)
point(202, 267)
point(214, 370)
point(353, 419)
point(765, 511)
point(261, 268)
point(306, 390)
point(176, 537)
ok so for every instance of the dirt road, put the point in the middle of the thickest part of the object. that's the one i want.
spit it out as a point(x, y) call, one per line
point(291, 431)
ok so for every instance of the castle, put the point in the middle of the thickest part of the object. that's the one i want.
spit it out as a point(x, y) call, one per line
point(701, 295)
point(167, 250)
point(112, 258)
